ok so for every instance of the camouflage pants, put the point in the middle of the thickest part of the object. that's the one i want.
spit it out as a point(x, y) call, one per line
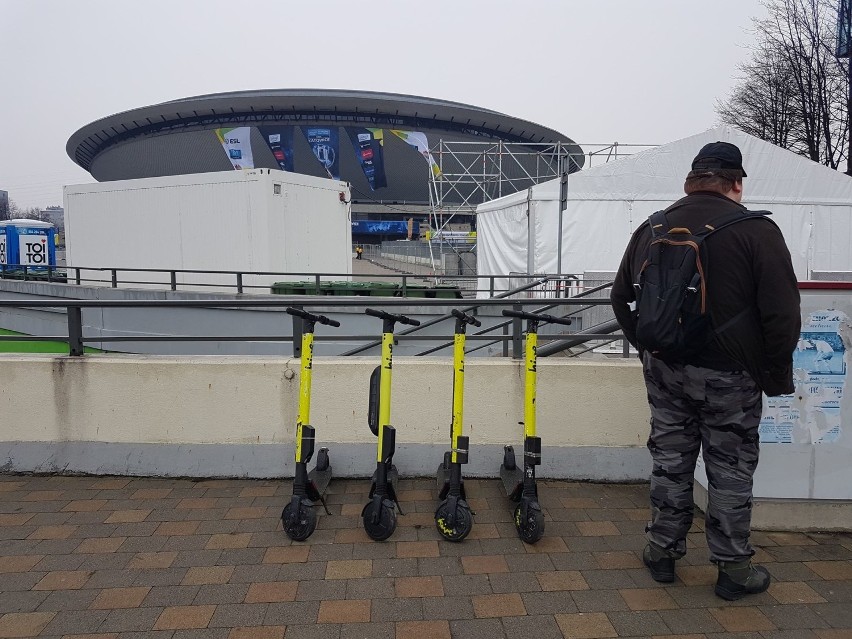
point(718, 412)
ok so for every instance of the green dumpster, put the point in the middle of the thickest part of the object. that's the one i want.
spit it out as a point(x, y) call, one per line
point(383, 289)
point(415, 290)
point(446, 291)
point(293, 288)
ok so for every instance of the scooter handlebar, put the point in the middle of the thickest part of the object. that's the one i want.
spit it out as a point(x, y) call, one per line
point(538, 317)
point(402, 319)
point(470, 319)
point(320, 319)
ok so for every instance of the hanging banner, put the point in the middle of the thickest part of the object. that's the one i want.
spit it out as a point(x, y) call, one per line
point(237, 145)
point(325, 143)
point(418, 141)
point(844, 30)
point(369, 150)
point(280, 142)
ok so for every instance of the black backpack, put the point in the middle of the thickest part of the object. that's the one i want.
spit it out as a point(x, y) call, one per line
point(673, 321)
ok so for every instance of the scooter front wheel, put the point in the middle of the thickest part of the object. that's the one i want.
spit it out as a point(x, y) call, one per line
point(303, 525)
point(531, 528)
point(379, 526)
point(462, 525)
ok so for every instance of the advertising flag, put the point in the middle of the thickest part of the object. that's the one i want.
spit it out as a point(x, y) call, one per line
point(844, 29)
point(325, 143)
point(237, 145)
point(369, 149)
point(279, 139)
point(418, 140)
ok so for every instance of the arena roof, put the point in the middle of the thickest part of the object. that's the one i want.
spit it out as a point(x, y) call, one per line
point(305, 106)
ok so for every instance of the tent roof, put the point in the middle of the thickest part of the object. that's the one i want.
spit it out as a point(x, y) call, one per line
point(775, 175)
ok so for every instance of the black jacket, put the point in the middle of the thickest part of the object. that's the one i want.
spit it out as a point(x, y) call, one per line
point(749, 276)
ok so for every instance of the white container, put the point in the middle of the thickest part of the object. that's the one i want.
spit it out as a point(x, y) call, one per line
point(250, 220)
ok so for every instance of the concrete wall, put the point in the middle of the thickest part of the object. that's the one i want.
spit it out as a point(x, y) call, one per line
point(233, 416)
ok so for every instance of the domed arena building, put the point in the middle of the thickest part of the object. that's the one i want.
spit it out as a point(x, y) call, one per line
point(400, 153)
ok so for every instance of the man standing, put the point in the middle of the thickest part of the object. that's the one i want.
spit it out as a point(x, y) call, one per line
point(711, 399)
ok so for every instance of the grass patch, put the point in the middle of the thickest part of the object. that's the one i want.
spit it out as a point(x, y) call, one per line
point(59, 348)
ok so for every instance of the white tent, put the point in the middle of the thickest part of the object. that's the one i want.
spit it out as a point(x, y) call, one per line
point(811, 203)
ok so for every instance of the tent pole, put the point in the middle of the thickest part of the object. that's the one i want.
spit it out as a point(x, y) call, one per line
point(563, 204)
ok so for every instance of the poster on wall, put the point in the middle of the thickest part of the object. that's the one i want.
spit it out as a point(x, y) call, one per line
point(369, 150)
point(811, 415)
point(237, 144)
point(279, 139)
point(418, 140)
point(325, 143)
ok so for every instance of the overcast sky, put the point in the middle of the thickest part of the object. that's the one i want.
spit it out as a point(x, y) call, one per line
point(596, 70)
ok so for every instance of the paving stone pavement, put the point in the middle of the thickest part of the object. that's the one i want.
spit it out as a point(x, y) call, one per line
point(139, 558)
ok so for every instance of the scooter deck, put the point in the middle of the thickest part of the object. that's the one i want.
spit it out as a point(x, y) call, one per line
point(513, 481)
point(442, 479)
point(320, 479)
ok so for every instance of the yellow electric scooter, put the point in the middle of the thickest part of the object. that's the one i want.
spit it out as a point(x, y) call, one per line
point(298, 517)
point(453, 517)
point(520, 483)
point(379, 515)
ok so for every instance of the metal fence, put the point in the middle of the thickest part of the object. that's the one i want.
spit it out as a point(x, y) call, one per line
point(408, 279)
point(509, 332)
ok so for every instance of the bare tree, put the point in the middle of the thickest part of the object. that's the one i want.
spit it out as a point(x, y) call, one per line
point(793, 92)
point(10, 210)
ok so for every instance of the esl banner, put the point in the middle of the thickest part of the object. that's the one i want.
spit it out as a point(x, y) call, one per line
point(237, 144)
point(280, 142)
point(325, 143)
point(418, 140)
point(844, 30)
point(369, 150)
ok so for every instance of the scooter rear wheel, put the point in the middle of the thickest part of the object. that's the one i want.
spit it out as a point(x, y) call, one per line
point(461, 527)
point(531, 529)
point(385, 523)
point(305, 523)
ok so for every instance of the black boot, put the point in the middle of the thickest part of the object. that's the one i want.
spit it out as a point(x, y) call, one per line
point(660, 563)
point(740, 578)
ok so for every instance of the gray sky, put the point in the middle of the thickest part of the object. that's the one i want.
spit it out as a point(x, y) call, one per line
point(597, 70)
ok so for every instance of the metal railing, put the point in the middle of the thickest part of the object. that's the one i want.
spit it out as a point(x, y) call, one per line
point(469, 286)
point(76, 340)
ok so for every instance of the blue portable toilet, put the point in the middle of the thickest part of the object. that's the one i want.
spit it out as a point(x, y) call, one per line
point(29, 243)
point(3, 260)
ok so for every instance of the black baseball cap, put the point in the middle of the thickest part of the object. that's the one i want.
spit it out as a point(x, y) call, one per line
point(719, 155)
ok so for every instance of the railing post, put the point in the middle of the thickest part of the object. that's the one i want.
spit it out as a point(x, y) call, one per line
point(317, 284)
point(239, 282)
point(77, 276)
point(505, 341)
point(625, 347)
point(75, 331)
point(114, 273)
point(297, 334)
point(26, 272)
point(173, 278)
point(492, 286)
point(405, 286)
point(517, 334)
point(49, 273)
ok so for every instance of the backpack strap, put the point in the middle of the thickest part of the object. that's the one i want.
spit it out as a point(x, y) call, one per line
point(731, 218)
point(658, 223)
